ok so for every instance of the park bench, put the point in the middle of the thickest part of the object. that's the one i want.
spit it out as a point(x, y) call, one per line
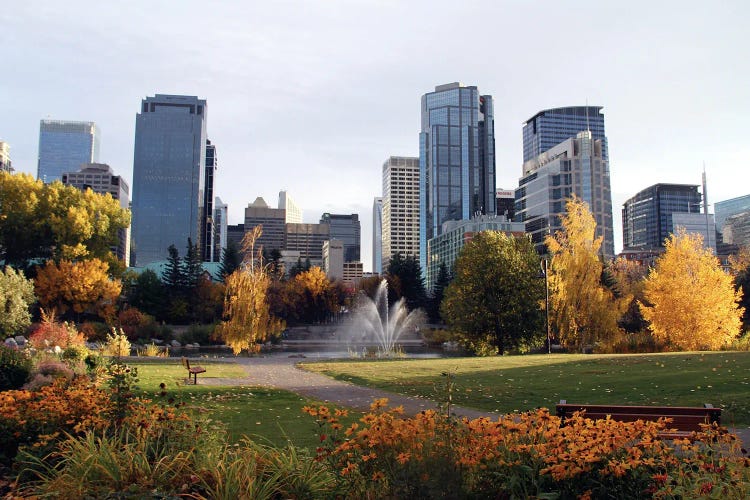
point(192, 370)
point(685, 419)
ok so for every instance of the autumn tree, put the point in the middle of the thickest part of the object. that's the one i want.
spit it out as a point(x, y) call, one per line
point(78, 287)
point(582, 310)
point(690, 302)
point(629, 277)
point(16, 296)
point(247, 319)
point(496, 295)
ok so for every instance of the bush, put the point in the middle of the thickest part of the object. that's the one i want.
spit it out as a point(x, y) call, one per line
point(74, 355)
point(95, 331)
point(200, 334)
point(50, 333)
point(15, 367)
point(630, 343)
point(436, 336)
point(117, 344)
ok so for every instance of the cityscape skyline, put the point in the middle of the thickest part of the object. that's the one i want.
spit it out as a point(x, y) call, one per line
point(669, 84)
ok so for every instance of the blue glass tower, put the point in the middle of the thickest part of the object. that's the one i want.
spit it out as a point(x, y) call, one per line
point(64, 146)
point(456, 159)
point(550, 127)
point(168, 175)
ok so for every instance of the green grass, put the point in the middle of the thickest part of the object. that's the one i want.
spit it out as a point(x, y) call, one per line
point(520, 383)
point(266, 415)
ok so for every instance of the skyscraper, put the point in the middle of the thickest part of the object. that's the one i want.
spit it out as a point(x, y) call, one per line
point(168, 175)
point(377, 235)
point(5, 163)
point(207, 238)
point(258, 213)
point(647, 217)
point(728, 208)
point(293, 212)
point(456, 159)
point(221, 221)
point(346, 229)
point(400, 209)
point(550, 127)
point(64, 146)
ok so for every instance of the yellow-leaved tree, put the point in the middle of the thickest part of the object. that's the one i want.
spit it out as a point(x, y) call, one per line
point(690, 302)
point(247, 318)
point(80, 287)
point(582, 310)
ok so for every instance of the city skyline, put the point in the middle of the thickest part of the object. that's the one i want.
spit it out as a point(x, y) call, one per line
point(670, 84)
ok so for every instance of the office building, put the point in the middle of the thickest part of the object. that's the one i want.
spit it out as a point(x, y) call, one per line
point(307, 239)
point(168, 175)
point(444, 249)
point(550, 127)
point(273, 220)
point(647, 217)
point(698, 223)
point(207, 238)
point(5, 163)
point(456, 159)
point(352, 273)
point(333, 259)
point(727, 208)
point(736, 229)
point(377, 235)
point(235, 234)
point(219, 237)
point(574, 167)
point(64, 146)
point(506, 202)
point(400, 209)
point(293, 212)
point(345, 228)
point(100, 178)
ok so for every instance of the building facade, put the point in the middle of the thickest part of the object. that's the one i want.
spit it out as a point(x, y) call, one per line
point(736, 229)
point(5, 163)
point(293, 212)
point(456, 159)
point(207, 238)
point(377, 235)
point(273, 221)
point(574, 167)
point(235, 233)
point(401, 206)
point(307, 239)
point(101, 179)
point(647, 217)
point(345, 228)
point(64, 146)
point(698, 223)
point(168, 175)
point(333, 259)
point(727, 208)
point(219, 237)
point(444, 249)
point(550, 127)
point(506, 202)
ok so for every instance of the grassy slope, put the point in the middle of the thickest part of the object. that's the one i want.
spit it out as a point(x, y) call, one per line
point(266, 415)
point(518, 383)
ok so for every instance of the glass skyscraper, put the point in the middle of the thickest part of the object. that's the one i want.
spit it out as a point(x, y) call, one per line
point(456, 159)
point(64, 146)
point(347, 229)
point(550, 127)
point(168, 175)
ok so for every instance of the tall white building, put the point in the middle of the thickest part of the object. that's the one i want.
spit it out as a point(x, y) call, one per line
point(5, 163)
point(293, 212)
point(333, 259)
point(400, 227)
point(377, 235)
point(221, 218)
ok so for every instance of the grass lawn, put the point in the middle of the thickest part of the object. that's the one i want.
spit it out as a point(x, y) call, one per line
point(519, 383)
point(267, 416)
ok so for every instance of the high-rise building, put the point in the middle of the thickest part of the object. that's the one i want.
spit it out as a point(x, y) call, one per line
point(736, 229)
point(698, 223)
point(207, 237)
point(456, 159)
point(550, 127)
point(293, 212)
point(400, 209)
point(345, 228)
point(647, 216)
point(5, 163)
point(333, 259)
point(235, 234)
point(168, 175)
point(377, 235)
point(100, 178)
point(219, 237)
point(273, 220)
point(307, 239)
point(727, 208)
point(506, 202)
point(574, 167)
point(64, 146)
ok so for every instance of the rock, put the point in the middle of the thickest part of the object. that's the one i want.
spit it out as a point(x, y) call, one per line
point(175, 343)
point(11, 342)
point(157, 341)
point(21, 340)
point(57, 349)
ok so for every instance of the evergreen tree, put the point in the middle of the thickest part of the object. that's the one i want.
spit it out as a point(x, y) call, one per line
point(174, 278)
point(192, 267)
point(438, 292)
point(409, 275)
point(147, 294)
point(230, 260)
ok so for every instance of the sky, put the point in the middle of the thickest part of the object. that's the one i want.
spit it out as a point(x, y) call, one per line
point(313, 96)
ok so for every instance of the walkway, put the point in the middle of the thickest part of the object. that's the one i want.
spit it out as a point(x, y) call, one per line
point(282, 373)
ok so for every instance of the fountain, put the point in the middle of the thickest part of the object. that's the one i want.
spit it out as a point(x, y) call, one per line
point(383, 325)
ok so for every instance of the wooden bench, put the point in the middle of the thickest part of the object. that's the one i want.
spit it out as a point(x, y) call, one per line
point(685, 419)
point(192, 370)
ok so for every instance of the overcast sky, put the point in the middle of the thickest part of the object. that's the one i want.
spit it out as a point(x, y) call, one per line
point(312, 97)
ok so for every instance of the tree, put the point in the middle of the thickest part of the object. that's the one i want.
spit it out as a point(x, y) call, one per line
point(582, 310)
point(230, 260)
point(147, 293)
point(248, 321)
point(174, 277)
point(742, 285)
point(16, 296)
point(629, 281)
point(496, 295)
point(409, 275)
point(690, 302)
point(192, 266)
point(438, 292)
point(80, 287)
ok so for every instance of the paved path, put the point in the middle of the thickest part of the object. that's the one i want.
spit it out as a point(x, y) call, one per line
point(282, 373)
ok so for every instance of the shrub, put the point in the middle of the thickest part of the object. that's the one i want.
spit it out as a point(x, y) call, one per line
point(129, 320)
point(200, 334)
point(46, 373)
point(436, 336)
point(95, 331)
point(153, 351)
point(15, 367)
point(50, 333)
point(117, 344)
point(630, 343)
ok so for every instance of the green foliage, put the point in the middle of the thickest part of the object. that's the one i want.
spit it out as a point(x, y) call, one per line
point(16, 296)
point(494, 302)
point(201, 334)
point(437, 294)
point(408, 274)
point(230, 260)
point(15, 367)
point(147, 293)
point(192, 268)
point(174, 278)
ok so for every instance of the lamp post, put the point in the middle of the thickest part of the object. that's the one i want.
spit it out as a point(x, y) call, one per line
point(545, 269)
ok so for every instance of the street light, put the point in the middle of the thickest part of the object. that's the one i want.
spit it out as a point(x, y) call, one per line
point(545, 269)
